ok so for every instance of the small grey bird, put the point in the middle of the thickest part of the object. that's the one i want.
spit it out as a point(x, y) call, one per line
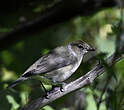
point(58, 65)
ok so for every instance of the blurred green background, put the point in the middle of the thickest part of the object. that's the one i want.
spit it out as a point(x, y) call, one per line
point(16, 58)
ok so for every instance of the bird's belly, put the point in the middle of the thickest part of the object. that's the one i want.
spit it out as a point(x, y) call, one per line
point(62, 74)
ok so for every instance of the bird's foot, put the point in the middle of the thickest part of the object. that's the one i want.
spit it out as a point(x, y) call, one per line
point(55, 88)
point(46, 95)
point(46, 92)
point(62, 85)
point(99, 62)
point(59, 86)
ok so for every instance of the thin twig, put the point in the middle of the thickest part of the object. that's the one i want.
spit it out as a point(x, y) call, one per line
point(104, 89)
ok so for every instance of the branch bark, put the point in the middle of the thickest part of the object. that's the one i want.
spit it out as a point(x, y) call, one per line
point(73, 86)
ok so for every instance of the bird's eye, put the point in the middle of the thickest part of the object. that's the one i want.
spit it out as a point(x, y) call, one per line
point(80, 46)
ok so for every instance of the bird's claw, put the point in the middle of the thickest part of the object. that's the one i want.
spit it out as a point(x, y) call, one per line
point(59, 86)
point(62, 86)
point(61, 89)
point(54, 88)
point(46, 95)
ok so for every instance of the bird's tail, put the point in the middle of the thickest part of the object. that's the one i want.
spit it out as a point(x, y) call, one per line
point(16, 82)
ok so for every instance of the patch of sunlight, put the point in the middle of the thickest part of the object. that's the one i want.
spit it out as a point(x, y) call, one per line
point(5, 86)
point(47, 108)
point(120, 62)
point(104, 30)
point(47, 86)
point(12, 101)
point(102, 106)
point(113, 14)
point(106, 45)
point(24, 97)
point(7, 75)
point(89, 99)
point(64, 109)
point(120, 67)
point(90, 102)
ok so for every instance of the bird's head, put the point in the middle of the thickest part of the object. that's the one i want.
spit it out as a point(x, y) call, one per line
point(81, 47)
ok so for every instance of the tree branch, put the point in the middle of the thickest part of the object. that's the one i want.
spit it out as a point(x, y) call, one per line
point(73, 86)
point(61, 12)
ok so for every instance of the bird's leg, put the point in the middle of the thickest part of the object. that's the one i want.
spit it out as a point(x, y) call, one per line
point(60, 85)
point(99, 62)
point(46, 92)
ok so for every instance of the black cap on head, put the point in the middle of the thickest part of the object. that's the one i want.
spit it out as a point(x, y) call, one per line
point(83, 45)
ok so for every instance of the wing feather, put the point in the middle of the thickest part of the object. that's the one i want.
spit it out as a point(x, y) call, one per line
point(50, 62)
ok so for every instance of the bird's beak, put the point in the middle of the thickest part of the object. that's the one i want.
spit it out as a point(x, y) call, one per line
point(91, 49)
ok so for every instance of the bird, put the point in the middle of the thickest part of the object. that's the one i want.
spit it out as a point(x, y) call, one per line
point(57, 65)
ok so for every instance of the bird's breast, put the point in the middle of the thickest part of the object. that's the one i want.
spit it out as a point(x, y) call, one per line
point(63, 73)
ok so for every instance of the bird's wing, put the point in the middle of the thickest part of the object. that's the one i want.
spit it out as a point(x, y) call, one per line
point(49, 62)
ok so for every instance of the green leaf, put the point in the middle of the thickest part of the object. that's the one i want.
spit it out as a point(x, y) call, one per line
point(12, 101)
point(24, 96)
point(47, 108)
